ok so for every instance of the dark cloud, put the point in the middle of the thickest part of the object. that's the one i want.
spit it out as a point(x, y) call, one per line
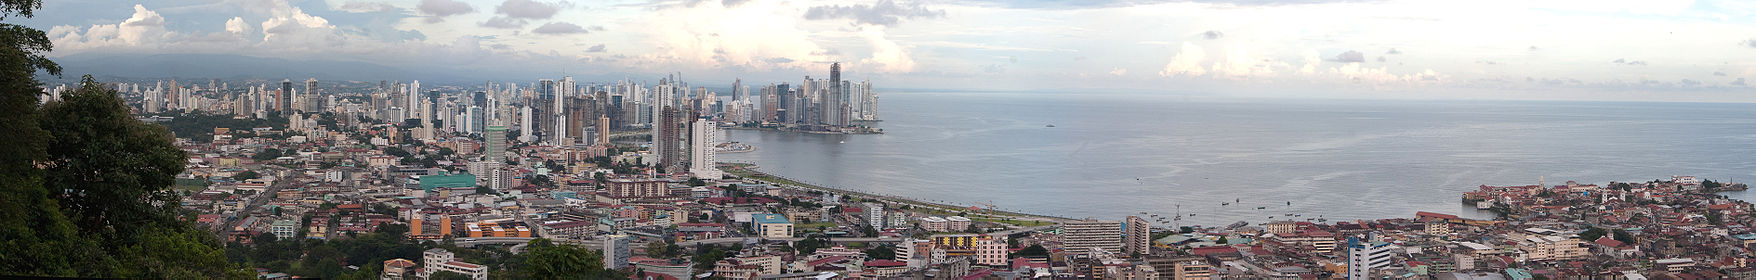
point(1750, 43)
point(732, 3)
point(1718, 73)
point(1349, 57)
point(365, 7)
point(885, 12)
point(1533, 48)
point(1211, 34)
point(1380, 58)
point(527, 9)
point(443, 8)
point(1739, 82)
point(597, 28)
point(504, 23)
point(557, 28)
point(1637, 63)
point(1393, 51)
point(1688, 82)
point(778, 60)
point(597, 48)
point(1619, 61)
point(1488, 62)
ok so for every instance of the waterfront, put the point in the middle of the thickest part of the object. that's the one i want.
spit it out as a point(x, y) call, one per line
point(1113, 155)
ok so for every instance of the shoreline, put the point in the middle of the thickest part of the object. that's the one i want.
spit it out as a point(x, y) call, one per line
point(753, 172)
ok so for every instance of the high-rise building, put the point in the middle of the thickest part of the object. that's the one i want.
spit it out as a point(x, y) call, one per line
point(312, 100)
point(701, 154)
point(666, 142)
point(1083, 235)
point(494, 154)
point(616, 251)
point(1137, 239)
point(603, 130)
point(875, 215)
point(1365, 255)
point(284, 101)
point(832, 103)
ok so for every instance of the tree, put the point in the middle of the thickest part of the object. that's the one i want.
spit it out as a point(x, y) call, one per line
point(1032, 251)
point(113, 173)
point(246, 175)
point(883, 252)
point(546, 260)
point(1592, 234)
point(266, 155)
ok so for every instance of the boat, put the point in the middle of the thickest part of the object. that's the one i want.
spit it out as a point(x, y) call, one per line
point(1050, 125)
point(1225, 203)
point(1261, 207)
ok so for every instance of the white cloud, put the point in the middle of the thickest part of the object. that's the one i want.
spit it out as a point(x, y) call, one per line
point(365, 7)
point(236, 25)
point(1186, 62)
point(887, 55)
point(1119, 72)
point(143, 28)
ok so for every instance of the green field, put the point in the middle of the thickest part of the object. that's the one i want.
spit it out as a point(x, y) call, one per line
point(193, 185)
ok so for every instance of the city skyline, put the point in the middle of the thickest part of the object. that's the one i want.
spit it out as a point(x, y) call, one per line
point(1633, 50)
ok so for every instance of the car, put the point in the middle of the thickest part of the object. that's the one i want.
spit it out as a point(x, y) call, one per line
point(469, 240)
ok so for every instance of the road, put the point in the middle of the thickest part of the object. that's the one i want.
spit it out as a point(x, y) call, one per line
point(258, 200)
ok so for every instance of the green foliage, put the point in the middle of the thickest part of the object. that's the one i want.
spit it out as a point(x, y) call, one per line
point(246, 175)
point(1592, 234)
point(1032, 251)
point(397, 152)
point(546, 260)
point(1710, 185)
point(883, 252)
point(266, 155)
point(1623, 236)
point(198, 127)
point(108, 167)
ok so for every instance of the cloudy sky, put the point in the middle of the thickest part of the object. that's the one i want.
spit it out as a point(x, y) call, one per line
point(1491, 49)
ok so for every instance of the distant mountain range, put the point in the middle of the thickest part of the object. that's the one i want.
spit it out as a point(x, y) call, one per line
point(207, 66)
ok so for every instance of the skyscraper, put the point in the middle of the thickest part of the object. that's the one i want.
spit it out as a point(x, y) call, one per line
point(284, 102)
point(494, 153)
point(665, 143)
point(312, 101)
point(603, 130)
point(832, 103)
point(701, 153)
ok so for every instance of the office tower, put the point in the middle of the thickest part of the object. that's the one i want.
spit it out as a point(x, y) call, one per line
point(284, 99)
point(616, 251)
point(1082, 236)
point(701, 153)
point(1138, 238)
point(785, 104)
point(171, 93)
point(477, 119)
point(1365, 255)
point(666, 142)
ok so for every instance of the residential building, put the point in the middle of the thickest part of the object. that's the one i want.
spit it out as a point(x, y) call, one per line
point(616, 251)
point(1138, 237)
point(1366, 255)
point(436, 260)
point(1083, 235)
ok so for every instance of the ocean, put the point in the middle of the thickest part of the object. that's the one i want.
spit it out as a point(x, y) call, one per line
point(1108, 156)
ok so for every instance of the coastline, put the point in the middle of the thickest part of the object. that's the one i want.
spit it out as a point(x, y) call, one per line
point(751, 171)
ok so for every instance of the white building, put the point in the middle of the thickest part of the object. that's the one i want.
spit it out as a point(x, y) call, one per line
point(875, 215)
point(435, 260)
point(701, 153)
point(1365, 255)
